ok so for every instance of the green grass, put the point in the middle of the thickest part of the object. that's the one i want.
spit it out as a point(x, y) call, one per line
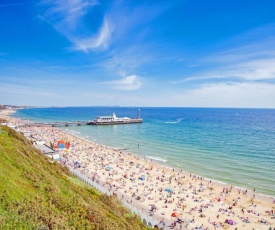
point(38, 194)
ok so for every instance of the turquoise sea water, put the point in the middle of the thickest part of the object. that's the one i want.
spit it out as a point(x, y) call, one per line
point(235, 146)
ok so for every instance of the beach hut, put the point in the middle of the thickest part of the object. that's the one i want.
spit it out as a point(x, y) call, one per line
point(61, 144)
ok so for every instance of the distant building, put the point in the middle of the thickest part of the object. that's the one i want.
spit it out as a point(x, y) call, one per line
point(3, 121)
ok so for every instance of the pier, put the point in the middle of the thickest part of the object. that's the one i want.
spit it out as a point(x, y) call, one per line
point(56, 123)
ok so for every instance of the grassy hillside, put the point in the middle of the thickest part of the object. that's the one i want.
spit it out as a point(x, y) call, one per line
point(38, 194)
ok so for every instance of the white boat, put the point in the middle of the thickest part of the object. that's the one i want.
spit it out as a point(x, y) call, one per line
point(114, 120)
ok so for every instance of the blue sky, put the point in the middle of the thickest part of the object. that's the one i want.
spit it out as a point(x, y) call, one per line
point(192, 53)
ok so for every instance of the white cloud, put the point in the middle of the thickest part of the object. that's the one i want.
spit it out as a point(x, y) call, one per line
point(128, 59)
point(65, 13)
point(246, 95)
point(15, 89)
point(252, 59)
point(253, 70)
point(252, 62)
point(131, 82)
point(100, 40)
point(66, 17)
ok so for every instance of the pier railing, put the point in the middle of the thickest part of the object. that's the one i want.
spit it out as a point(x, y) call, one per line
point(55, 123)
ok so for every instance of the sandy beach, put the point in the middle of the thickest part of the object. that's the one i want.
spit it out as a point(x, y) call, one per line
point(173, 197)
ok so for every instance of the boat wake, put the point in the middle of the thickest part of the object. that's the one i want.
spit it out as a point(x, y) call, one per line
point(174, 122)
point(156, 158)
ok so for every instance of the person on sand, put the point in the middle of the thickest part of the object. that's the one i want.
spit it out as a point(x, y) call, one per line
point(100, 157)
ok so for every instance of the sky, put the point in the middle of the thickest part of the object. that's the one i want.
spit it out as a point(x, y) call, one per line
point(180, 53)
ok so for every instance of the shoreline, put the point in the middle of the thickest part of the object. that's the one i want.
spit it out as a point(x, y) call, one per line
point(177, 169)
point(262, 190)
point(192, 179)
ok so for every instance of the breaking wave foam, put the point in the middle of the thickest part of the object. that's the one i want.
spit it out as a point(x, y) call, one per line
point(174, 122)
point(156, 158)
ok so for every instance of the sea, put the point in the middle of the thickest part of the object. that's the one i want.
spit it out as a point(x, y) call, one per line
point(233, 146)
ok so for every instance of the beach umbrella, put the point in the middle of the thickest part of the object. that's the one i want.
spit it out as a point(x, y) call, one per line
point(142, 177)
point(108, 168)
point(168, 190)
point(175, 214)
